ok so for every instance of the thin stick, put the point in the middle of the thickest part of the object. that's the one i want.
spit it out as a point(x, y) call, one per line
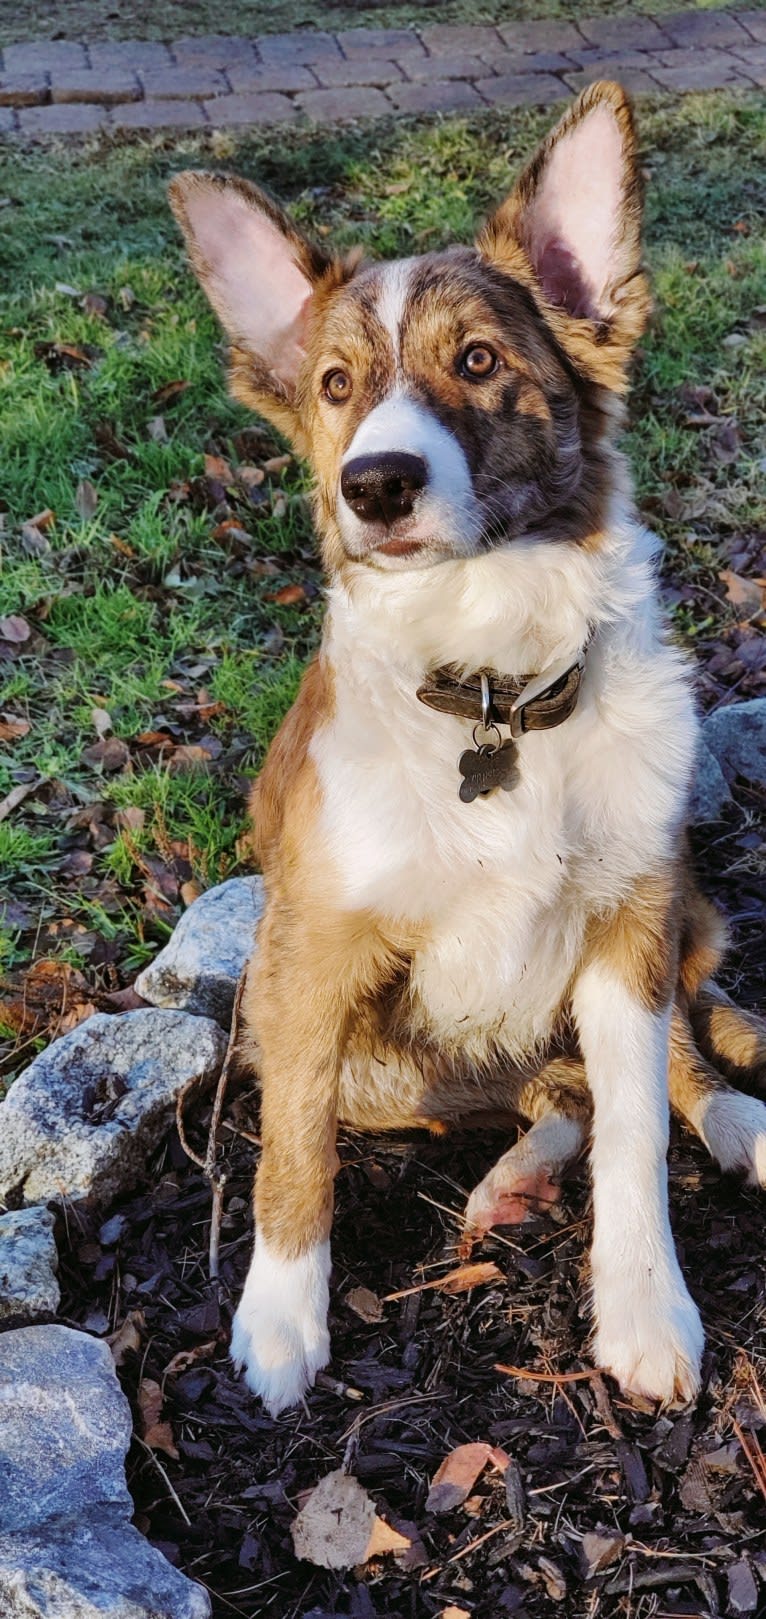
point(164, 1477)
point(755, 1456)
point(210, 1170)
point(216, 1177)
point(546, 1377)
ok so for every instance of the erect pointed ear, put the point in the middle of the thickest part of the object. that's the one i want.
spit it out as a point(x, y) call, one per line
point(576, 215)
point(259, 273)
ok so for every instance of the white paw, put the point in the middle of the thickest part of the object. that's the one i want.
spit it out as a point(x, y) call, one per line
point(279, 1335)
point(733, 1128)
point(649, 1337)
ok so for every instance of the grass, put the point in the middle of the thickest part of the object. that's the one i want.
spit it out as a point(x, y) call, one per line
point(138, 606)
point(171, 19)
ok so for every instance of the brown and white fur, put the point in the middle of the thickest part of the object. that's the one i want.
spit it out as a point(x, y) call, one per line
point(540, 953)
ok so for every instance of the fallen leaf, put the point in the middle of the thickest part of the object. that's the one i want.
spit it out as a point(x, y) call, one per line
point(42, 520)
point(189, 1357)
point(65, 356)
point(190, 891)
point(157, 430)
point(110, 754)
point(216, 466)
point(455, 1478)
point(86, 499)
point(157, 1434)
point(455, 1281)
point(742, 592)
point(102, 721)
point(598, 1550)
point(337, 1526)
point(277, 463)
point(169, 392)
point(94, 303)
point(16, 796)
point(454, 1613)
point(365, 1304)
point(11, 728)
point(15, 629)
point(251, 477)
point(34, 543)
point(127, 1338)
point(189, 756)
point(288, 596)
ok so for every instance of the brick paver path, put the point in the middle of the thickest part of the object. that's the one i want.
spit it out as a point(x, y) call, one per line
point(63, 87)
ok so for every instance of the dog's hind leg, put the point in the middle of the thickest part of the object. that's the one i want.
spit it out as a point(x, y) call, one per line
point(731, 1124)
point(526, 1180)
point(731, 1039)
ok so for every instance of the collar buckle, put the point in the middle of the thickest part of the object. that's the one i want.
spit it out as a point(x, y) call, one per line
point(558, 685)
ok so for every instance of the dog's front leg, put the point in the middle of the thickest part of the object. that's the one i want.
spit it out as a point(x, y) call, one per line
point(648, 1332)
point(294, 1006)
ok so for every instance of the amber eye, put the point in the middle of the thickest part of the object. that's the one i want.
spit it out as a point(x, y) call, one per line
point(337, 386)
point(478, 362)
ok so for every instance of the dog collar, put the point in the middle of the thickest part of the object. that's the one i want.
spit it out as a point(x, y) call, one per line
point(533, 703)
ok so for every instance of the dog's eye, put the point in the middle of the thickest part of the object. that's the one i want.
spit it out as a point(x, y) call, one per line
point(478, 362)
point(337, 386)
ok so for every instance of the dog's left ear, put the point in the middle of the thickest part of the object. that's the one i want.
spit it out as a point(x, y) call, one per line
point(575, 214)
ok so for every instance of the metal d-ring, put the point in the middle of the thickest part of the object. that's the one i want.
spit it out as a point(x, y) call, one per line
point(486, 703)
point(486, 723)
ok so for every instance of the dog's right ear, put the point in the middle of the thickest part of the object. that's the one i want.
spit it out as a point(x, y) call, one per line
point(259, 273)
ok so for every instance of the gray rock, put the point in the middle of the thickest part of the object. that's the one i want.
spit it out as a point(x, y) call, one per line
point(67, 1547)
point(65, 1427)
point(81, 1120)
point(710, 793)
point(28, 1265)
point(200, 966)
point(93, 1571)
point(737, 737)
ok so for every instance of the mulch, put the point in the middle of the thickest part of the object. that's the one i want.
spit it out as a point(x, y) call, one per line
point(672, 1500)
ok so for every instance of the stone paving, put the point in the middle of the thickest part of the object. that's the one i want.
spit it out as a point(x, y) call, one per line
point(65, 87)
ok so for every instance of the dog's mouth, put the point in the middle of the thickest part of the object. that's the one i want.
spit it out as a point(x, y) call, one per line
point(399, 547)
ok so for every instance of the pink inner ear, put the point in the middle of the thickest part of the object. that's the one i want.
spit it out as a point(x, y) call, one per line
point(251, 277)
point(572, 228)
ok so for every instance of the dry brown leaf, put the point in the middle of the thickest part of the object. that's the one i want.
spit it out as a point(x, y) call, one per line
point(454, 1613)
point(102, 721)
point(127, 1339)
point(15, 629)
point(455, 1478)
point(86, 499)
point(337, 1526)
point(158, 1435)
point(169, 392)
point(216, 466)
point(42, 520)
point(189, 1357)
point(277, 463)
point(455, 1281)
point(365, 1304)
point(288, 596)
point(334, 1526)
point(385, 1538)
point(742, 592)
point(11, 727)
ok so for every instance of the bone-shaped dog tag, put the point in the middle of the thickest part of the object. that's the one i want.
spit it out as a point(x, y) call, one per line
point(485, 768)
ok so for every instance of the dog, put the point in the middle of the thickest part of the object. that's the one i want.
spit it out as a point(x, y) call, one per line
point(471, 822)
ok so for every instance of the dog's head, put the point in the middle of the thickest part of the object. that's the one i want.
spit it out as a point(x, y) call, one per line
point(450, 403)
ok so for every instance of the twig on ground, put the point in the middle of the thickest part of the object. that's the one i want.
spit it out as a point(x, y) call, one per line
point(546, 1377)
point(208, 1165)
point(164, 1477)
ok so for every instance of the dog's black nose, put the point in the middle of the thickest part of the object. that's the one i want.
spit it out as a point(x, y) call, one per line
point(380, 488)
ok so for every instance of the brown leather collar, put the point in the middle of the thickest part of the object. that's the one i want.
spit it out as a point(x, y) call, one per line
point(533, 703)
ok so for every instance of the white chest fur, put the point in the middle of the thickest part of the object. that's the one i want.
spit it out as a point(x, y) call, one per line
point(501, 888)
